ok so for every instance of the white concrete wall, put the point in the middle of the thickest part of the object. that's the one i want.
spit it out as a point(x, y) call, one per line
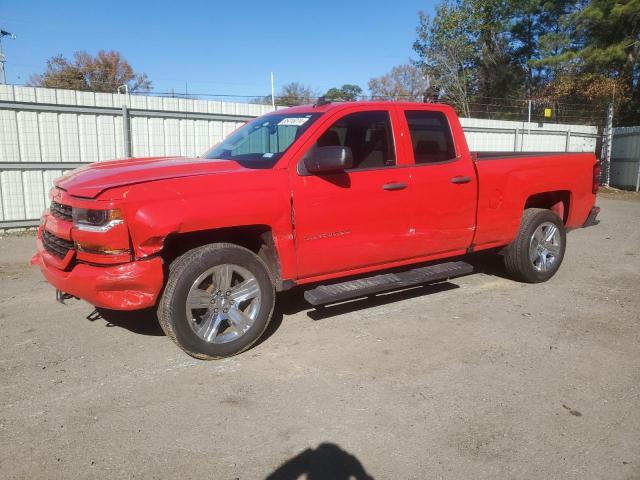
point(507, 135)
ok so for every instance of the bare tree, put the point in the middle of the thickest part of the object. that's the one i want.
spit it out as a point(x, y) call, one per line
point(451, 79)
point(103, 73)
point(447, 52)
point(404, 82)
point(295, 93)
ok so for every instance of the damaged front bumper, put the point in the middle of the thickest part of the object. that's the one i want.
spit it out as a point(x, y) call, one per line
point(129, 286)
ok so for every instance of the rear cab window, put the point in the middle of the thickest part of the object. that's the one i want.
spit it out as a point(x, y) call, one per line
point(431, 137)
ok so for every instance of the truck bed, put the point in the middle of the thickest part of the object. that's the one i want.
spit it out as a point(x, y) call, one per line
point(505, 187)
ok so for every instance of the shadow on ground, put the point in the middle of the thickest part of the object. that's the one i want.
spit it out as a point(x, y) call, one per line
point(488, 263)
point(142, 322)
point(327, 462)
point(291, 302)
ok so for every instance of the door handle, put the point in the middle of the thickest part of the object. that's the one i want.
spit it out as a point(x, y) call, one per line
point(460, 179)
point(394, 186)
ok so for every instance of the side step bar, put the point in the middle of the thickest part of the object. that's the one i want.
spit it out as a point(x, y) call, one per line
point(386, 281)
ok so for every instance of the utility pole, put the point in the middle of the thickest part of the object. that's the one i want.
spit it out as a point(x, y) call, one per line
point(126, 138)
point(3, 58)
point(273, 92)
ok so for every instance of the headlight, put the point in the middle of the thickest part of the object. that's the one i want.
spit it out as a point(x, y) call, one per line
point(96, 220)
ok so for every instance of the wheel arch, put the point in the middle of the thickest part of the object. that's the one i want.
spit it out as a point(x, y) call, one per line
point(257, 238)
point(558, 201)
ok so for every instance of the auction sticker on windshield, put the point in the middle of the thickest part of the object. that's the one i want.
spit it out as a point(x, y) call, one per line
point(293, 121)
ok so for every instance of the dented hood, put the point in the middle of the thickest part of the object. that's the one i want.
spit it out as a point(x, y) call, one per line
point(90, 181)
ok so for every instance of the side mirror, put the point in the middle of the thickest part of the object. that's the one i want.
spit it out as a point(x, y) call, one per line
point(330, 159)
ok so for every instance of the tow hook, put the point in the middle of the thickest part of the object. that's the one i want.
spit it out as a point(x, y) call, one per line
point(62, 296)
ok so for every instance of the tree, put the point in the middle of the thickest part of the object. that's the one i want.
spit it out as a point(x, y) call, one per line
point(496, 69)
point(608, 34)
point(539, 29)
point(467, 50)
point(488, 55)
point(103, 73)
point(346, 93)
point(447, 54)
point(291, 94)
point(264, 100)
point(403, 82)
point(295, 93)
point(602, 41)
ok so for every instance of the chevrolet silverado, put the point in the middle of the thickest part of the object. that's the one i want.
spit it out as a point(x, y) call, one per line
point(354, 198)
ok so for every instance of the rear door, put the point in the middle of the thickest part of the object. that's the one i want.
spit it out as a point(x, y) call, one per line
point(359, 217)
point(443, 184)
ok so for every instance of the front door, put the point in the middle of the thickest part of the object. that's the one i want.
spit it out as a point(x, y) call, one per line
point(356, 218)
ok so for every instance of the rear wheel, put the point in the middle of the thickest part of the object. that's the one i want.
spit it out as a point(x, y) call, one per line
point(218, 301)
point(538, 250)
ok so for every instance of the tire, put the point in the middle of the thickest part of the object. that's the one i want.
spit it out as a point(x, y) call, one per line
point(537, 251)
point(217, 302)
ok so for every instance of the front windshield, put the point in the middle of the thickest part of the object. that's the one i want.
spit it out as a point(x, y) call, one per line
point(261, 142)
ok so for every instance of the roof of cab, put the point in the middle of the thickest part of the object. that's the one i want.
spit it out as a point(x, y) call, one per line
point(339, 105)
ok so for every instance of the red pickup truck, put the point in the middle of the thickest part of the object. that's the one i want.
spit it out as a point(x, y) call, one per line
point(330, 194)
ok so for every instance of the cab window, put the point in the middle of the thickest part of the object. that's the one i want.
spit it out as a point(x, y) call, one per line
point(367, 134)
point(430, 137)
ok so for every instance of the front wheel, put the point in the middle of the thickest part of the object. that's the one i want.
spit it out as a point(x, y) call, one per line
point(218, 301)
point(538, 250)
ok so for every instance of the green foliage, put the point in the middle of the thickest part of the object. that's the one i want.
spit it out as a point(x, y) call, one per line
point(602, 41)
point(103, 73)
point(346, 93)
point(610, 37)
point(478, 51)
point(465, 52)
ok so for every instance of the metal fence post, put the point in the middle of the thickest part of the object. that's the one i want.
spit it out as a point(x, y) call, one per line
point(126, 141)
point(567, 145)
point(606, 148)
point(515, 142)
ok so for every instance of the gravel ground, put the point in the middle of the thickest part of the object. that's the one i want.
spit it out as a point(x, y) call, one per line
point(478, 378)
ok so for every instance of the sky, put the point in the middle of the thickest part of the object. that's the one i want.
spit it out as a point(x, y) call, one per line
point(219, 47)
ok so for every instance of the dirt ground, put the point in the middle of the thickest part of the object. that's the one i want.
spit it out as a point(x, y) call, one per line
point(617, 194)
point(478, 378)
